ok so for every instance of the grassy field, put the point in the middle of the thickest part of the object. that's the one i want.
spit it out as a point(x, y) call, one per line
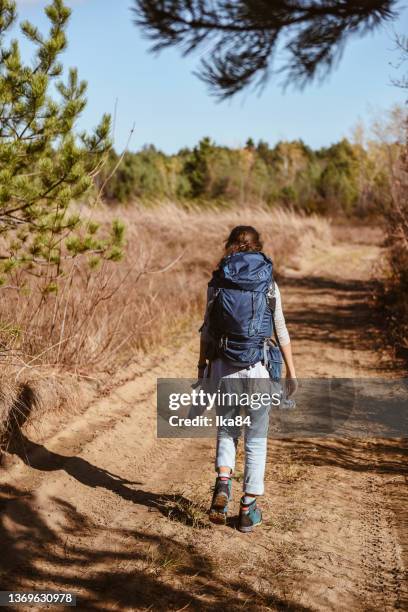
point(99, 321)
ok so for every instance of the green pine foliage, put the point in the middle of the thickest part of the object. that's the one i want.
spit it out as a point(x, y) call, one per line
point(44, 164)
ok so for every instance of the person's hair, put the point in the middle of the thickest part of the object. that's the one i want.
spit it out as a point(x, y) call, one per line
point(243, 238)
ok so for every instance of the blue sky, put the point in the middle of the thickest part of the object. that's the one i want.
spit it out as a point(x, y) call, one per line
point(171, 108)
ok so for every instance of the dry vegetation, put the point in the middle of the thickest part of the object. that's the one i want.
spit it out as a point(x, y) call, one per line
point(101, 319)
point(396, 286)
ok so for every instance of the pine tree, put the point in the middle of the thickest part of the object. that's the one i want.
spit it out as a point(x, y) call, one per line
point(240, 40)
point(44, 164)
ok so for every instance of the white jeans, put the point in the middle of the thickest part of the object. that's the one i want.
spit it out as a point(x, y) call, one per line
point(227, 437)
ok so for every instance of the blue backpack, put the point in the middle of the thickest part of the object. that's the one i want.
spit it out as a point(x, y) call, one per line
point(240, 319)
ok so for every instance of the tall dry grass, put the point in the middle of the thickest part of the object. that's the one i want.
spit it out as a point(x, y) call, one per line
point(99, 320)
point(394, 129)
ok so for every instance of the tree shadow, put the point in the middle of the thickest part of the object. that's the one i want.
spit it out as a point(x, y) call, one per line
point(380, 456)
point(114, 568)
point(38, 457)
point(340, 322)
point(143, 570)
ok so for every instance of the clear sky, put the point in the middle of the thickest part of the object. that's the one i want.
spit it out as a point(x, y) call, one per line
point(171, 108)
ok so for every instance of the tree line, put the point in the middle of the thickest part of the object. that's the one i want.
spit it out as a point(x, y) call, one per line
point(347, 177)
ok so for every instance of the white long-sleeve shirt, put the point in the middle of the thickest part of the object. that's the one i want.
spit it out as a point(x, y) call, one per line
point(275, 302)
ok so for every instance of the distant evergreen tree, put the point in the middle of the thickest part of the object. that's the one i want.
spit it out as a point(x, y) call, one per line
point(338, 183)
point(44, 164)
point(196, 168)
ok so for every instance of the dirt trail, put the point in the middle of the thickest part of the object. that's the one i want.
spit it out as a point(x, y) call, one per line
point(107, 510)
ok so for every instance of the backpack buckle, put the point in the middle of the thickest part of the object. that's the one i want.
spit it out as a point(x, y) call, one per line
point(224, 342)
point(265, 353)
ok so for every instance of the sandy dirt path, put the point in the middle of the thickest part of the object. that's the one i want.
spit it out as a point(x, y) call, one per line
point(105, 509)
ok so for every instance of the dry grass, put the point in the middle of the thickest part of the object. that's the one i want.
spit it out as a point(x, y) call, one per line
point(288, 520)
point(99, 318)
point(192, 512)
point(287, 473)
point(98, 321)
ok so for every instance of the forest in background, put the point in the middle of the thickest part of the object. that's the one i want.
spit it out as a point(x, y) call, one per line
point(351, 178)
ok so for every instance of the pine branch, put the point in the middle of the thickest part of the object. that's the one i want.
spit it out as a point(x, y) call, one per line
point(245, 35)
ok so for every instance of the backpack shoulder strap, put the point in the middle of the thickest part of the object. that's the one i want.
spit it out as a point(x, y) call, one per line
point(271, 295)
point(272, 303)
point(210, 306)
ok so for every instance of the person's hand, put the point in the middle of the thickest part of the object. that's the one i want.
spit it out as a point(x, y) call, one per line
point(291, 385)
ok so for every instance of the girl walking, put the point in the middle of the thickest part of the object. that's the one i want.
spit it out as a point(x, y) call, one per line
point(244, 311)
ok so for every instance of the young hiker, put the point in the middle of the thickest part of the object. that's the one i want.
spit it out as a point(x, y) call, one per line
point(244, 310)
